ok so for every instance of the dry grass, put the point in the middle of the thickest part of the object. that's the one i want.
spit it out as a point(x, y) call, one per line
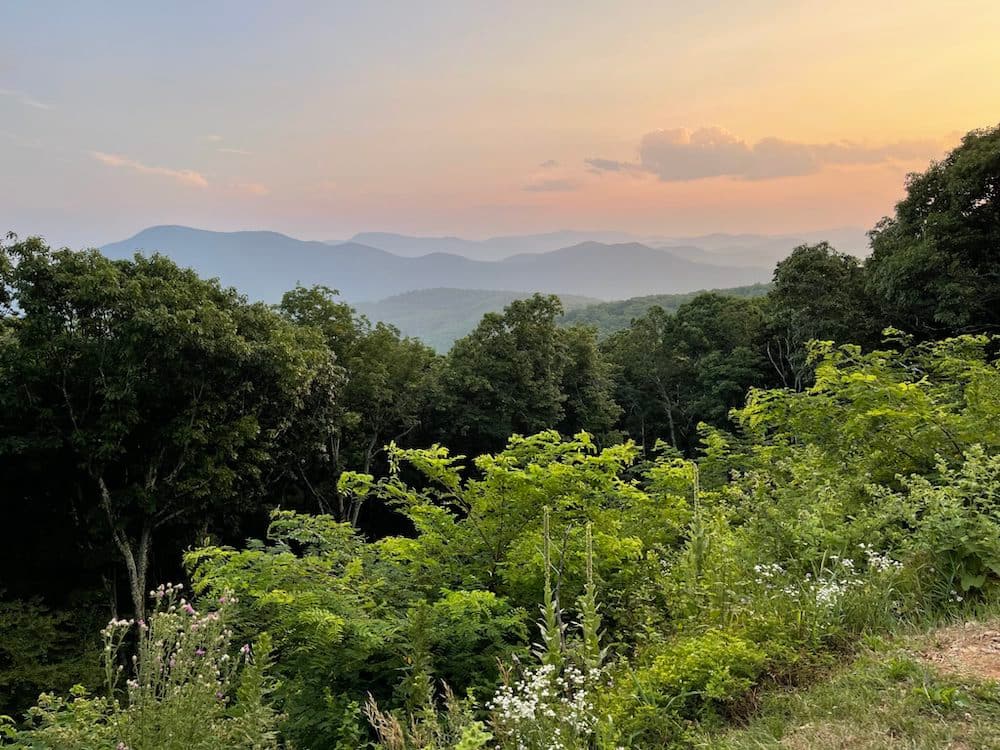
point(938, 691)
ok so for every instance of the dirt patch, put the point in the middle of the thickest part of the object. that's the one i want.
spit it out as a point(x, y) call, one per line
point(971, 649)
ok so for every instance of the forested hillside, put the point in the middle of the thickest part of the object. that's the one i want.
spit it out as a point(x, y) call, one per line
point(609, 317)
point(310, 531)
point(439, 317)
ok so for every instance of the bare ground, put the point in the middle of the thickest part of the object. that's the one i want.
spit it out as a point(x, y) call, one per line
point(969, 649)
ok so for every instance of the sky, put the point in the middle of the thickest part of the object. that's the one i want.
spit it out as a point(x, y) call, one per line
point(322, 119)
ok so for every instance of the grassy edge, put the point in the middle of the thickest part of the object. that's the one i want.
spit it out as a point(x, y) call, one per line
point(885, 696)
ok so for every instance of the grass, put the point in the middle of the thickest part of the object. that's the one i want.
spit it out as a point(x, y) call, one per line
point(917, 692)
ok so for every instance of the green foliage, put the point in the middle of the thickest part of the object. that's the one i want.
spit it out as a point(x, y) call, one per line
point(185, 688)
point(818, 294)
point(686, 677)
point(347, 621)
point(487, 531)
point(453, 728)
point(679, 370)
point(68, 724)
point(611, 317)
point(161, 395)
point(40, 650)
point(387, 386)
point(934, 262)
point(331, 616)
point(832, 513)
point(518, 373)
point(896, 410)
point(955, 549)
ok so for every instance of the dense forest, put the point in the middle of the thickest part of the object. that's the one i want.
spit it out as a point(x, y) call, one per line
point(552, 536)
point(611, 317)
point(439, 317)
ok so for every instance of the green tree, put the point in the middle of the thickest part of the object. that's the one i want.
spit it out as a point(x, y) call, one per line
point(818, 294)
point(162, 395)
point(935, 263)
point(675, 371)
point(588, 385)
point(391, 385)
point(506, 376)
point(722, 336)
point(652, 372)
point(387, 390)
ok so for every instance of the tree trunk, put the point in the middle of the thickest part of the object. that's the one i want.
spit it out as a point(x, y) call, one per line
point(370, 453)
point(135, 556)
point(670, 422)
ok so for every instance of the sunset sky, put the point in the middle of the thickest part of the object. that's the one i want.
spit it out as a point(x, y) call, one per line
point(322, 119)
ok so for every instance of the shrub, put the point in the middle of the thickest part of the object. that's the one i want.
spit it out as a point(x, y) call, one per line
point(955, 544)
point(184, 688)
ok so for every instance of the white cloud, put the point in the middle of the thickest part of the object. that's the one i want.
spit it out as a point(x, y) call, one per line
point(681, 154)
point(237, 151)
point(26, 100)
point(185, 176)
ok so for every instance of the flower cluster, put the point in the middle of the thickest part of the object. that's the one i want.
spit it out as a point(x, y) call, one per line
point(837, 577)
point(879, 561)
point(546, 708)
point(767, 572)
point(177, 650)
point(185, 668)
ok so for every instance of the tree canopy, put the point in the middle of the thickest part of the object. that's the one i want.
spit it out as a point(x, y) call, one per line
point(161, 394)
point(935, 262)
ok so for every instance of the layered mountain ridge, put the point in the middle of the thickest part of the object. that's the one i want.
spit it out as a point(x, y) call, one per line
point(264, 265)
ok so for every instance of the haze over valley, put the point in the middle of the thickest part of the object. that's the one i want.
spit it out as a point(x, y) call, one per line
point(437, 289)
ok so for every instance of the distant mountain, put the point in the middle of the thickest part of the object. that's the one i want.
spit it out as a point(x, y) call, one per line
point(609, 317)
point(265, 264)
point(440, 316)
point(625, 270)
point(756, 249)
point(718, 248)
point(495, 248)
point(262, 265)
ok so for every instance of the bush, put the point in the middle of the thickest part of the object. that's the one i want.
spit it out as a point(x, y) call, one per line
point(185, 688)
point(955, 545)
point(688, 678)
